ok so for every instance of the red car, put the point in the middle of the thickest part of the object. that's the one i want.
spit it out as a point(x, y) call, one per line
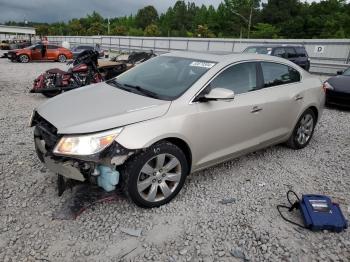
point(40, 52)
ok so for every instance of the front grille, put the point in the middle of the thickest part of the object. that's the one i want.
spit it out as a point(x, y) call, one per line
point(46, 131)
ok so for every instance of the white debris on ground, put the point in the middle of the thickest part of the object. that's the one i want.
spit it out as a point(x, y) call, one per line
point(193, 227)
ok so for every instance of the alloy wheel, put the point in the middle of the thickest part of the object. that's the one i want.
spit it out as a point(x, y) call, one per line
point(159, 177)
point(24, 59)
point(62, 58)
point(305, 129)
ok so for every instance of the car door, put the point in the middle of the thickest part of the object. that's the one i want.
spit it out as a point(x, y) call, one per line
point(36, 52)
point(291, 54)
point(302, 57)
point(51, 52)
point(283, 95)
point(228, 128)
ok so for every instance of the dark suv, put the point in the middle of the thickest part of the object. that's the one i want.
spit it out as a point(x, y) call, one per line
point(295, 54)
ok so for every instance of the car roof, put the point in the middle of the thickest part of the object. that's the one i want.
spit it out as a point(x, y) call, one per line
point(224, 56)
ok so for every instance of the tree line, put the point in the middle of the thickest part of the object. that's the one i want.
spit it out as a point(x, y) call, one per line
point(232, 18)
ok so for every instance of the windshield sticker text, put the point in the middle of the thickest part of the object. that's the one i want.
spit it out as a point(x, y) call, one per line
point(202, 64)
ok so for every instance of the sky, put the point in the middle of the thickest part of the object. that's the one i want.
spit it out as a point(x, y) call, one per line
point(64, 10)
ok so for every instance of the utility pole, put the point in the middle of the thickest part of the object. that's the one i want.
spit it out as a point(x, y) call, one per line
point(248, 21)
point(108, 27)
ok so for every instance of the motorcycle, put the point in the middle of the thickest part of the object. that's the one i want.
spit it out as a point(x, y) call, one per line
point(85, 70)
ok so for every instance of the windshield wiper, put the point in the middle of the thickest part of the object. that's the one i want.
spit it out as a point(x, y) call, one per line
point(132, 88)
point(143, 91)
point(115, 83)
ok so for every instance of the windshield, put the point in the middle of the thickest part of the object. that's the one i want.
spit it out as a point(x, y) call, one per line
point(258, 50)
point(163, 77)
point(346, 72)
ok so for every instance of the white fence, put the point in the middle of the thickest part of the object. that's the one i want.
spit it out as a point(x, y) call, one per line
point(327, 55)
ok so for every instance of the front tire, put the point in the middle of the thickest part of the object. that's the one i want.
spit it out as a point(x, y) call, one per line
point(303, 131)
point(23, 58)
point(52, 93)
point(155, 176)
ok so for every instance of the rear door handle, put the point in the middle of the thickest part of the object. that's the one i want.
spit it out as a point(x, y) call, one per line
point(256, 109)
point(298, 97)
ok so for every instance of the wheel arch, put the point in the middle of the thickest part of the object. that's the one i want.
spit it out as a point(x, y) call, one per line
point(183, 146)
point(315, 110)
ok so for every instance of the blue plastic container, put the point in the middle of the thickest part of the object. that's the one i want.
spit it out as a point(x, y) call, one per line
point(108, 178)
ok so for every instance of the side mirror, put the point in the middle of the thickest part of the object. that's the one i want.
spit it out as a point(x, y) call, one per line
point(340, 72)
point(219, 94)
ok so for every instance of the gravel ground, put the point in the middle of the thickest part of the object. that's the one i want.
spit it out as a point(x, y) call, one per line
point(193, 227)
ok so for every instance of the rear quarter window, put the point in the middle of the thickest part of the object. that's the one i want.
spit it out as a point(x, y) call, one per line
point(275, 74)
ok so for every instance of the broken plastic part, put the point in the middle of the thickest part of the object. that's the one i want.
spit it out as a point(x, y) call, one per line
point(108, 178)
point(96, 172)
point(227, 201)
point(131, 231)
point(67, 169)
point(119, 160)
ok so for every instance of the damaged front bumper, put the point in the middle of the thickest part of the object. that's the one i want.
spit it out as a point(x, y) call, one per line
point(100, 168)
point(66, 169)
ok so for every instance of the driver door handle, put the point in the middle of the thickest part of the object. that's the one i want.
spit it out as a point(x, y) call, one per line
point(298, 97)
point(256, 109)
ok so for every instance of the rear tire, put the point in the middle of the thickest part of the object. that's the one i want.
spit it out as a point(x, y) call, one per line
point(62, 58)
point(155, 176)
point(307, 66)
point(303, 131)
point(23, 58)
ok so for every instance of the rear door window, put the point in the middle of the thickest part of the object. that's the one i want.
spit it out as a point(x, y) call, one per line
point(278, 74)
point(239, 78)
point(290, 52)
point(279, 51)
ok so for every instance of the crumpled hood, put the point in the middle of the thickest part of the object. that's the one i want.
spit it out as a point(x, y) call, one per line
point(99, 107)
point(340, 83)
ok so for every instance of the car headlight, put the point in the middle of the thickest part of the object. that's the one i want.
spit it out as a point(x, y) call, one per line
point(84, 145)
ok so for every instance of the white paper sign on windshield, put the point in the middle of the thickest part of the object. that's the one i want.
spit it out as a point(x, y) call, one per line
point(202, 64)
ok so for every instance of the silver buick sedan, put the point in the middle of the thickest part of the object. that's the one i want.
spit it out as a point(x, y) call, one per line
point(150, 127)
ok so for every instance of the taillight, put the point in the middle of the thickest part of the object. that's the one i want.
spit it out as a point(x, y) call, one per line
point(327, 86)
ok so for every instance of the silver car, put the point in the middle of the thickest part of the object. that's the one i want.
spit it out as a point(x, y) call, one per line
point(150, 127)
